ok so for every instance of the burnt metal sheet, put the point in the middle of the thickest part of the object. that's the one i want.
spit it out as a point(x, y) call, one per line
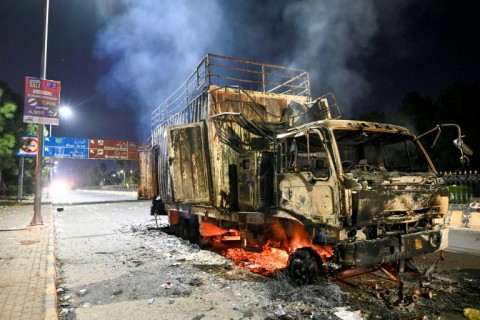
point(376, 206)
point(253, 105)
point(369, 252)
point(313, 201)
point(188, 163)
point(147, 183)
point(390, 249)
point(421, 243)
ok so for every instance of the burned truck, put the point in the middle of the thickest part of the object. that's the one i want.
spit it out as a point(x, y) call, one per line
point(242, 152)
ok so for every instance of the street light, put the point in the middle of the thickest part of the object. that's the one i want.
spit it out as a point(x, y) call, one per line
point(123, 172)
point(64, 111)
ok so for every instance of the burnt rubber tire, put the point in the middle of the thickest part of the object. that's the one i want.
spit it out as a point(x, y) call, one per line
point(303, 268)
point(194, 234)
point(179, 228)
point(184, 229)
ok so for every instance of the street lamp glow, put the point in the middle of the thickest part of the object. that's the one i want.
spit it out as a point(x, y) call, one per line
point(65, 111)
point(123, 172)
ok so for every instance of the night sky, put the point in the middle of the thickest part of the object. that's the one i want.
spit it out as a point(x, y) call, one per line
point(118, 59)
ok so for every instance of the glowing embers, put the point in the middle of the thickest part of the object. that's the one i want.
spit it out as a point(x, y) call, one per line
point(285, 238)
point(265, 262)
point(210, 229)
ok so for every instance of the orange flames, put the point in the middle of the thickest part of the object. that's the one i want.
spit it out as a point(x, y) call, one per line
point(265, 262)
point(284, 238)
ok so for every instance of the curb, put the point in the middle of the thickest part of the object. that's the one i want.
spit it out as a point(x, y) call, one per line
point(467, 219)
point(51, 308)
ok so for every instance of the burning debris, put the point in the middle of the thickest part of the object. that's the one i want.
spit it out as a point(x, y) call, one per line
point(266, 262)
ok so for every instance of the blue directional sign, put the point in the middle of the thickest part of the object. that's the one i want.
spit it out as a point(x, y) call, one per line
point(59, 147)
point(72, 153)
point(61, 142)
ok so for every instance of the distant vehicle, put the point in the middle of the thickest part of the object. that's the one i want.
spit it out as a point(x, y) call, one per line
point(249, 155)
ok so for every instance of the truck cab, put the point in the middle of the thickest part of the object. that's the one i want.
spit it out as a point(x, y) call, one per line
point(366, 189)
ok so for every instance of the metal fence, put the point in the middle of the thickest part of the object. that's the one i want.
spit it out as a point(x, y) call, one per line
point(464, 187)
point(118, 187)
point(225, 71)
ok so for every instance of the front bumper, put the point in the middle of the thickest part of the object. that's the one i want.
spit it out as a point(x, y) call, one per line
point(392, 248)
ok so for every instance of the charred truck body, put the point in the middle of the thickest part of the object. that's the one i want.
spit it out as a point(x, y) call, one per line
point(263, 163)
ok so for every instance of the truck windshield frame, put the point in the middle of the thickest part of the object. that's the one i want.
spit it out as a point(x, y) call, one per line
point(393, 152)
point(304, 152)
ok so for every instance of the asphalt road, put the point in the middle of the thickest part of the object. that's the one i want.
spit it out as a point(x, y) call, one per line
point(111, 267)
point(68, 197)
point(109, 271)
point(461, 240)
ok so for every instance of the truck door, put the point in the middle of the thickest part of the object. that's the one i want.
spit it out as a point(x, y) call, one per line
point(189, 167)
point(304, 180)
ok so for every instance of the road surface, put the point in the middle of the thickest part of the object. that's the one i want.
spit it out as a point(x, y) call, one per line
point(68, 197)
point(112, 267)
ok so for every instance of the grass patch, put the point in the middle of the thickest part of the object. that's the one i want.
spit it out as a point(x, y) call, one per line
point(460, 194)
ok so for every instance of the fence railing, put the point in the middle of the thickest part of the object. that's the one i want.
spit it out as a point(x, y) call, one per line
point(225, 71)
point(464, 187)
point(118, 187)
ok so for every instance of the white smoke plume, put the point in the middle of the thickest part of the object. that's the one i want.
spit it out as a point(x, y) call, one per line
point(153, 45)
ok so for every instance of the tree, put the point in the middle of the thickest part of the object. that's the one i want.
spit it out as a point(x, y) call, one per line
point(102, 169)
point(456, 104)
point(11, 130)
point(121, 164)
point(416, 112)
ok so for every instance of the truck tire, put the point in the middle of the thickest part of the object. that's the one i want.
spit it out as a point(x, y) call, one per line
point(303, 267)
point(194, 234)
point(183, 229)
point(188, 230)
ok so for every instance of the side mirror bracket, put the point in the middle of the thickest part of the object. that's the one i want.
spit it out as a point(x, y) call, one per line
point(465, 150)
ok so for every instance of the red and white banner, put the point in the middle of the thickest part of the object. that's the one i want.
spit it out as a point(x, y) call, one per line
point(42, 99)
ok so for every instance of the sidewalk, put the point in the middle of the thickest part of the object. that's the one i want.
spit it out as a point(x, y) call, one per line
point(27, 264)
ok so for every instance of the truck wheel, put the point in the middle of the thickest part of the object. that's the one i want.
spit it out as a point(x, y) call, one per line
point(194, 234)
point(184, 227)
point(303, 267)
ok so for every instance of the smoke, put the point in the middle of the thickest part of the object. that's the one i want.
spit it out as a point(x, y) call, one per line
point(153, 45)
point(332, 36)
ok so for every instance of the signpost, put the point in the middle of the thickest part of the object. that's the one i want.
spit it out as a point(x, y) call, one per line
point(28, 147)
point(71, 148)
point(42, 98)
point(75, 148)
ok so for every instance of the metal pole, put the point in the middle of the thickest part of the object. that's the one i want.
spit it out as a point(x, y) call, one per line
point(37, 205)
point(20, 178)
point(49, 185)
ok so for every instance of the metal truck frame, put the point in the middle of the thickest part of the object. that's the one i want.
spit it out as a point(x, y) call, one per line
point(242, 152)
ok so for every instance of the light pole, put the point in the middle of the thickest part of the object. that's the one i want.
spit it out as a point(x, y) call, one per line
point(37, 202)
point(123, 172)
